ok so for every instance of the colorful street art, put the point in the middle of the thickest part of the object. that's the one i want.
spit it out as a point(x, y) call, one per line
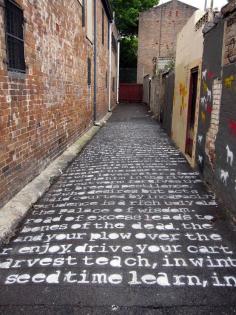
point(224, 175)
point(229, 81)
point(232, 127)
point(210, 75)
point(205, 87)
point(203, 116)
point(209, 109)
point(230, 156)
point(183, 93)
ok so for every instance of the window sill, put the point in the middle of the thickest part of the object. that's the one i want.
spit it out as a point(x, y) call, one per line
point(14, 74)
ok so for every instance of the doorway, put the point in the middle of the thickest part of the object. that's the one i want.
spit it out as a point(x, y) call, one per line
point(191, 111)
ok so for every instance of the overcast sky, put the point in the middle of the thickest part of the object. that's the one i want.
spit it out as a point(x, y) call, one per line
point(200, 3)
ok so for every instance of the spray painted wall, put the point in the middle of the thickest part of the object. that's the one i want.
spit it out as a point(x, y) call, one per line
point(216, 148)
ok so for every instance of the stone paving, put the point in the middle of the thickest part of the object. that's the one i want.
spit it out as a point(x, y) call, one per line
point(129, 228)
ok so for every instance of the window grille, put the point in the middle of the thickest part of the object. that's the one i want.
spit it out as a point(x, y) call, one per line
point(15, 36)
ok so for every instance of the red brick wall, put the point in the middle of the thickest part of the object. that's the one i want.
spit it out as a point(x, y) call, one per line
point(48, 107)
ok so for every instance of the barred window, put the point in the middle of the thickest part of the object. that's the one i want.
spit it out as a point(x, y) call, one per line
point(15, 36)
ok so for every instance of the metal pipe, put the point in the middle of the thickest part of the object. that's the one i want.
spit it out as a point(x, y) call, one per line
point(95, 64)
point(212, 4)
point(118, 72)
point(205, 8)
point(160, 35)
point(109, 74)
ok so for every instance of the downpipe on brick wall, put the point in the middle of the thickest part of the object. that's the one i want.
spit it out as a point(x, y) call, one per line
point(118, 71)
point(95, 65)
point(109, 74)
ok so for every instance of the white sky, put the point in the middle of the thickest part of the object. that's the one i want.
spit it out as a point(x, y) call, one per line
point(201, 3)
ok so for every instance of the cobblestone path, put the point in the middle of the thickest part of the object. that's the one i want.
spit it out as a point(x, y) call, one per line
point(129, 228)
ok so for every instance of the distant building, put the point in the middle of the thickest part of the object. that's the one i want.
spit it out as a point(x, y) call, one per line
point(158, 29)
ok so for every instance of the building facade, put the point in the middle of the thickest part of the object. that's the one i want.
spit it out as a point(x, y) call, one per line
point(158, 29)
point(54, 81)
point(187, 85)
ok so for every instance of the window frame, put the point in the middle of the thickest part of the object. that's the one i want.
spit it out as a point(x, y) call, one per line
point(9, 36)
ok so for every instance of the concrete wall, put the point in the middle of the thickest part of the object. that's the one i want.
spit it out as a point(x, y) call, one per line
point(167, 104)
point(216, 149)
point(155, 96)
point(45, 109)
point(188, 56)
point(158, 29)
point(146, 89)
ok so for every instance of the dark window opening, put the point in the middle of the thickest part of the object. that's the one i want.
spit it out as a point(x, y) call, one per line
point(103, 25)
point(113, 84)
point(89, 72)
point(83, 13)
point(106, 80)
point(15, 36)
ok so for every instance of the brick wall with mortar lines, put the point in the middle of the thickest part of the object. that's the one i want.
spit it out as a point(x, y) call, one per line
point(216, 149)
point(174, 16)
point(48, 107)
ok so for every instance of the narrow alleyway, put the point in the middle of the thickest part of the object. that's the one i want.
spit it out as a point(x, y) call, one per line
point(129, 228)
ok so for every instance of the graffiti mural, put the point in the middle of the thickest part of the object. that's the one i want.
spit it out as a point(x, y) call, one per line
point(229, 81)
point(216, 145)
point(230, 156)
point(224, 175)
point(183, 93)
point(232, 127)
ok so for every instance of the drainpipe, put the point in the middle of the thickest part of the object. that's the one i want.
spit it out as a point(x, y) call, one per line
point(109, 75)
point(205, 8)
point(118, 72)
point(95, 65)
